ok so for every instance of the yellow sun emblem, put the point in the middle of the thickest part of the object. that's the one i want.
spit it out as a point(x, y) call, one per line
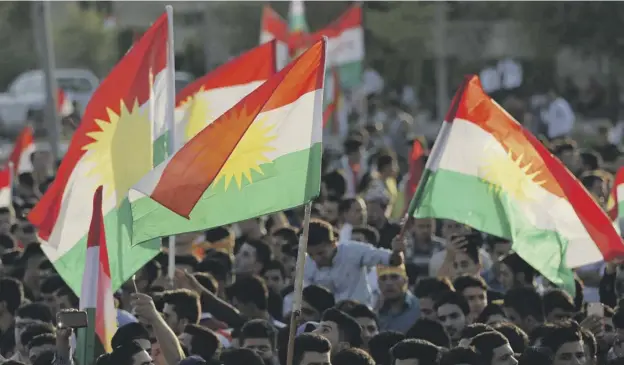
point(121, 151)
point(197, 114)
point(250, 153)
point(506, 174)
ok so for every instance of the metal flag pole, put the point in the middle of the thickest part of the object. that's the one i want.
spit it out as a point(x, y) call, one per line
point(41, 15)
point(171, 122)
point(298, 286)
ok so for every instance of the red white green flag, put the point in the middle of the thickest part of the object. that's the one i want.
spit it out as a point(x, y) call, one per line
point(489, 172)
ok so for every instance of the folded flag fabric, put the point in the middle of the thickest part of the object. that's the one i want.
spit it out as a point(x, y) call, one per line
point(489, 172)
point(206, 98)
point(261, 156)
point(6, 191)
point(113, 147)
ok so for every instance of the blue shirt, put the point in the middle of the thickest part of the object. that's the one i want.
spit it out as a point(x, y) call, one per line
point(403, 320)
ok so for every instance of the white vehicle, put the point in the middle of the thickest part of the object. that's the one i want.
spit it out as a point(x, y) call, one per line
point(182, 79)
point(26, 98)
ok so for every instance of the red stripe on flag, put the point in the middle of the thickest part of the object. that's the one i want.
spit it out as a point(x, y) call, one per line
point(416, 169)
point(24, 140)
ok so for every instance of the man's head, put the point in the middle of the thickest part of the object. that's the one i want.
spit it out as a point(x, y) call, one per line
point(430, 330)
point(518, 339)
point(200, 341)
point(567, 151)
point(387, 165)
point(524, 308)
point(49, 286)
point(321, 242)
point(474, 290)
point(450, 228)
point(311, 349)
point(66, 299)
point(452, 311)
point(428, 290)
point(131, 353)
point(238, 356)
point(415, 352)
point(365, 234)
point(423, 229)
point(471, 331)
point(274, 275)
point(31, 331)
point(558, 305)
point(566, 342)
point(251, 257)
point(250, 296)
point(514, 272)
point(315, 300)
point(29, 314)
point(181, 307)
point(461, 356)
point(331, 208)
point(283, 241)
point(31, 258)
point(353, 149)
point(467, 260)
point(352, 356)
point(12, 296)
point(494, 349)
point(259, 335)
point(392, 281)
point(492, 313)
point(379, 346)
point(367, 319)
point(132, 332)
point(353, 211)
point(340, 329)
point(40, 344)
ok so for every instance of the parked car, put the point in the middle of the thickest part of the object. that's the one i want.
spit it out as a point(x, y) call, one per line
point(26, 97)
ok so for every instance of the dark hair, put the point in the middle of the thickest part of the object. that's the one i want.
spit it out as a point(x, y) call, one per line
point(379, 346)
point(258, 328)
point(345, 205)
point(536, 356)
point(12, 293)
point(288, 234)
point(455, 299)
point(518, 266)
point(564, 332)
point(463, 282)
point(346, 305)
point(432, 287)
point(424, 351)
point(104, 359)
point(352, 356)
point(539, 332)
point(189, 260)
point(318, 297)
point(362, 311)
point(51, 284)
point(487, 342)
point(518, 339)
point(217, 268)
point(251, 289)
point(185, 303)
point(208, 281)
point(525, 301)
point(461, 355)
point(557, 299)
point(429, 330)
point(335, 182)
point(128, 333)
point(33, 330)
point(32, 250)
point(352, 144)
point(275, 265)
point(320, 232)
point(41, 340)
point(122, 355)
point(73, 298)
point(36, 311)
point(348, 327)
point(490, 310)
point(263, 251)
point(474, 329)
point(152, 270)
point(385, 160)
point(204, 342)
point(592, 158)
point(7, 241)
point(46, 265)
point(371, 233)
point(309, 342)
point(218, 233)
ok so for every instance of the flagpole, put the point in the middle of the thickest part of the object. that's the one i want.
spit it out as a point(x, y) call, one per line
point(298, 286)
point(171, 122)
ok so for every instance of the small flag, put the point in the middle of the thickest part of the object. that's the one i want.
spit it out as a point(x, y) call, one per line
point(6, 185)
point(616, 198)
point(64, 106)
point(22, 150)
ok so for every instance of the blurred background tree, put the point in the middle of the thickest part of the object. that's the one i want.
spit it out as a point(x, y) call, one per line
point(16, 37)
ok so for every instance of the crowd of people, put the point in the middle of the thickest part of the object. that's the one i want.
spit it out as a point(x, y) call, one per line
point(445, 294)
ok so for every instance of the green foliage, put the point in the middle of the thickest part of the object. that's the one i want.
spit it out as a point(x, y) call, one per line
point(17, 52)
point(82, 41)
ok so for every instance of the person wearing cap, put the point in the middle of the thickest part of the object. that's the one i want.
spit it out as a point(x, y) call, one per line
point(398, 307)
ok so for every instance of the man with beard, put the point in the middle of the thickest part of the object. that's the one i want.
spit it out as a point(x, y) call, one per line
point(453, 311)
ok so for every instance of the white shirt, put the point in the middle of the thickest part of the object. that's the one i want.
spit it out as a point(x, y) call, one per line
point(559, 118)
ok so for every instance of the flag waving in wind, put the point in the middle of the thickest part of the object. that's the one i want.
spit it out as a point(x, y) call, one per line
point(261, 156)
point(114, 147)
point(489, 172)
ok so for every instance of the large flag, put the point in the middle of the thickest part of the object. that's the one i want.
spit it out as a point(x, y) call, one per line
point(118, 141)
point(201, 102)
point(22, 150)
point(261, 156)
point(96, 297)
point(273, 27)
point(489, 172)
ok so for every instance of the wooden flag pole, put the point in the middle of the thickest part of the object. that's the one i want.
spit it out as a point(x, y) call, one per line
point(298, 285)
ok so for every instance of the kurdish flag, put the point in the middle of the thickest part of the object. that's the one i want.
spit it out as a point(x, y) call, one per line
point(261, 156)
point(6, 187)
point(22, 150)
point(487, 171)
point(114, 147)
point(97, 295)
point(202, 101)
point(273, 27)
